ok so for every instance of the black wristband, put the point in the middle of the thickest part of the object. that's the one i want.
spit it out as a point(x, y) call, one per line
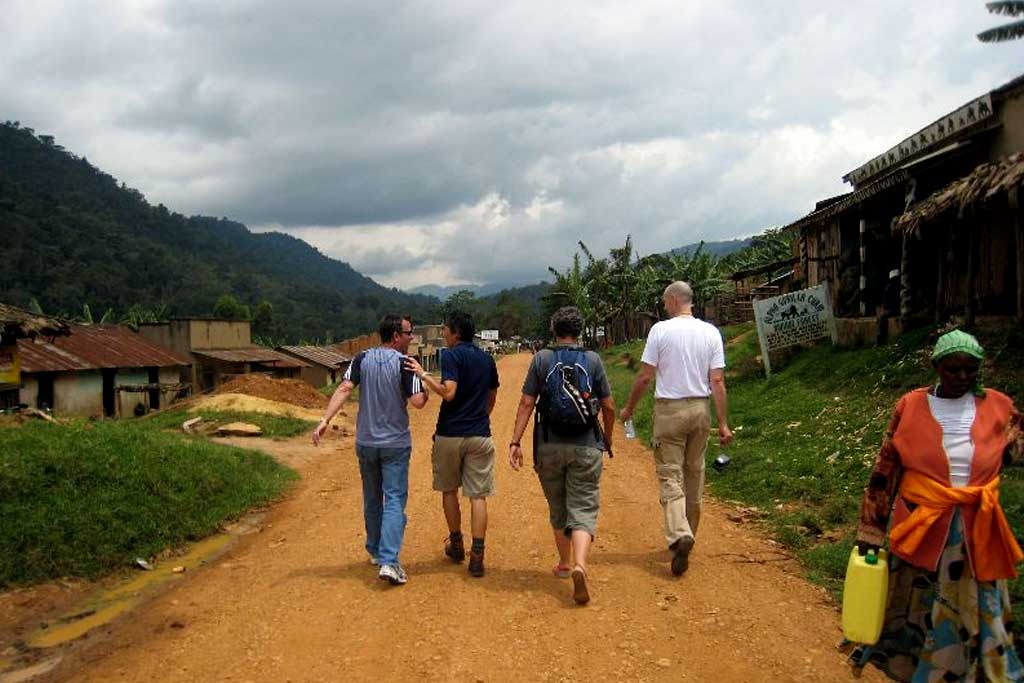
point(515, 443)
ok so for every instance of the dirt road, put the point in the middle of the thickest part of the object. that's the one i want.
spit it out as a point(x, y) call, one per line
point(299, 601)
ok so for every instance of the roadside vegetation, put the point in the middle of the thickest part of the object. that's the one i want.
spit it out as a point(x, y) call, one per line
point(84, 498)
point(806, 439)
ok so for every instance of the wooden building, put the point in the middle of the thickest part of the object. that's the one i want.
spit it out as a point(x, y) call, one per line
point(18, 324)
point(853, 242)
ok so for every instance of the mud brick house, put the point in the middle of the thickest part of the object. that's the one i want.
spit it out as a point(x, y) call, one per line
point(218, 350)
point(99, 371)
point(326, 365)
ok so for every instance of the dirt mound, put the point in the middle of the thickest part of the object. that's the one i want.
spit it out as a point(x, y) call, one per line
point(293, 391)
point(254, 404)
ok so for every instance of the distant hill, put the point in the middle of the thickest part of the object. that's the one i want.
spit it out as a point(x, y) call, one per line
point(73, 235)
point(485, 290)
point(716, 248)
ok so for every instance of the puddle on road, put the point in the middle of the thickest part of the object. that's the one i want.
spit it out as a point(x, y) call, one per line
point(102, 607)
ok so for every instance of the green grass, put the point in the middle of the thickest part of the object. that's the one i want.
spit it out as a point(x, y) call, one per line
point(274, 426)
point(806, 438)
point(85, 498)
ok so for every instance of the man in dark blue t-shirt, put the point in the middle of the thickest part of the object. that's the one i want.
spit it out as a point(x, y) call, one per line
point(463, 453)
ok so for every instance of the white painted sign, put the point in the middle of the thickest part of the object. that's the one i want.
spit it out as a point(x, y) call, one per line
point(925, 139)
point(489, 335)
point(793, 318)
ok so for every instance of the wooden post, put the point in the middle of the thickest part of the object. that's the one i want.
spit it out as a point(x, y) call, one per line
point(1018, 230)
point(970, 310)
point(906, 299)
point(863, 270)
point(940, 285)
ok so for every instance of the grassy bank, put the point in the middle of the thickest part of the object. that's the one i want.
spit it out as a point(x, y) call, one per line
point(806, 438)
point(85, 498)
point(273, 426)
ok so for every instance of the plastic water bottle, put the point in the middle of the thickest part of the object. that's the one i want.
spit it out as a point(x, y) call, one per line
point(630, 429)
point(864, 596)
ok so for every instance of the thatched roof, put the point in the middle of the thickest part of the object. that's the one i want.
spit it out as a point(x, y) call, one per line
point(16, 323)
point(986, 182)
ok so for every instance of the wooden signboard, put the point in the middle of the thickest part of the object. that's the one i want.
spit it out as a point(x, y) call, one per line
point(793, 318)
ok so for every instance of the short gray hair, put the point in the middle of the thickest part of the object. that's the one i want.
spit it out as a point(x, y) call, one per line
point(680, 291)
point(567, 322)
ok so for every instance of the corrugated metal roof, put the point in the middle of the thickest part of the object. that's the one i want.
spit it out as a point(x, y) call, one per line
point(320, 355)
point(252, 354)
point(850, 200)
point(91, 347)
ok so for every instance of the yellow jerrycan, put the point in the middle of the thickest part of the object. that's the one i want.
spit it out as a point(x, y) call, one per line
point(864, 596)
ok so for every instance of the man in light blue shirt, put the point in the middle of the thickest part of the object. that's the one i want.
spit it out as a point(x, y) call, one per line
point(383, 440)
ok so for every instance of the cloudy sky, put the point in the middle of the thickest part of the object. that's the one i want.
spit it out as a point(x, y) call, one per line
point(465, 142)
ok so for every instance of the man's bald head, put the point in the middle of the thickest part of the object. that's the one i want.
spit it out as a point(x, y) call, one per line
point(677, 297)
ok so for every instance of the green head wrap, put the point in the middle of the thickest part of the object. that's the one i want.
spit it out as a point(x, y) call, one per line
point(958, 341)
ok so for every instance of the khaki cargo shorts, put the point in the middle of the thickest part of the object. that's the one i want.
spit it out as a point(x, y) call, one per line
point(466, 461)
point(571, 478)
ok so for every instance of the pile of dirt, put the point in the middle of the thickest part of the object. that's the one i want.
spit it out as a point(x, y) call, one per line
point(293, 391)
point(253, 404)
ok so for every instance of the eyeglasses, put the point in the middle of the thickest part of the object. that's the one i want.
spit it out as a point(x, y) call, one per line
point(407, 332)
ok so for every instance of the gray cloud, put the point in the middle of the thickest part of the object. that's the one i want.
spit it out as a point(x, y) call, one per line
point(486, 139)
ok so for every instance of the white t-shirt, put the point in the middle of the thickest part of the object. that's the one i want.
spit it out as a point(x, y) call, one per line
point(684, 350)
point(956, 417)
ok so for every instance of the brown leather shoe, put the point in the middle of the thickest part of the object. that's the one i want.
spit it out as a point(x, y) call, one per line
point(476, 563)
point(455, 550)
point(681, 555)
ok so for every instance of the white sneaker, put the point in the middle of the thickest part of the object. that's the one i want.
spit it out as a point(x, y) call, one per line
point(374, 561)
point(393, 574)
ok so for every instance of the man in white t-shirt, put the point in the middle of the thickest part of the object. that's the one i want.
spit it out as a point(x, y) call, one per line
point(688, 358)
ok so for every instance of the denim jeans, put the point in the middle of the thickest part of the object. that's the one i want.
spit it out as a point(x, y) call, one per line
point(385, 474)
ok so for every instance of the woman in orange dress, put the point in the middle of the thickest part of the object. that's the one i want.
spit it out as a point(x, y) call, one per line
point(951, 548)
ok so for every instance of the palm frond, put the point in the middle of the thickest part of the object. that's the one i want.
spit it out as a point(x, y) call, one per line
point(1012, 8)
point(1000, 33)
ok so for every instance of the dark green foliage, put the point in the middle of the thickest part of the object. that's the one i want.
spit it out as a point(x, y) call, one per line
point(515, 311)
point(73, 236)
point(83, 499)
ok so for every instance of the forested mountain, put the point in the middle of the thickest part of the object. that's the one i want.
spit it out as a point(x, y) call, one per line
point(715, 248)
point(73, 236)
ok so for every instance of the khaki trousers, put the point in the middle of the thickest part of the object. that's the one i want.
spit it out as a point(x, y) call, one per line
point(681, 429)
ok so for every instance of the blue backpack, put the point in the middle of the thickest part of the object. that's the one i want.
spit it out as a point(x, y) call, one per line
point(567, 405)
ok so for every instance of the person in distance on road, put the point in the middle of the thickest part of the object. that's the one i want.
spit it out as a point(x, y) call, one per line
point(383, 439)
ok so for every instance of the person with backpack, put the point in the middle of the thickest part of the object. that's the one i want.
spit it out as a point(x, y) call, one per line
point(463, 453)
point(568, 388)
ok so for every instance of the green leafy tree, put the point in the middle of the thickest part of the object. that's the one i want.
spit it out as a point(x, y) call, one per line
point(229, 308)
point(263, 318)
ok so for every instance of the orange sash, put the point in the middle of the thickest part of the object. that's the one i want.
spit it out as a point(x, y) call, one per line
point(994, 548)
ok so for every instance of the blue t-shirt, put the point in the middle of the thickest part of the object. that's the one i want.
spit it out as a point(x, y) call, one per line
point(384, 387)
point(476, 376)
